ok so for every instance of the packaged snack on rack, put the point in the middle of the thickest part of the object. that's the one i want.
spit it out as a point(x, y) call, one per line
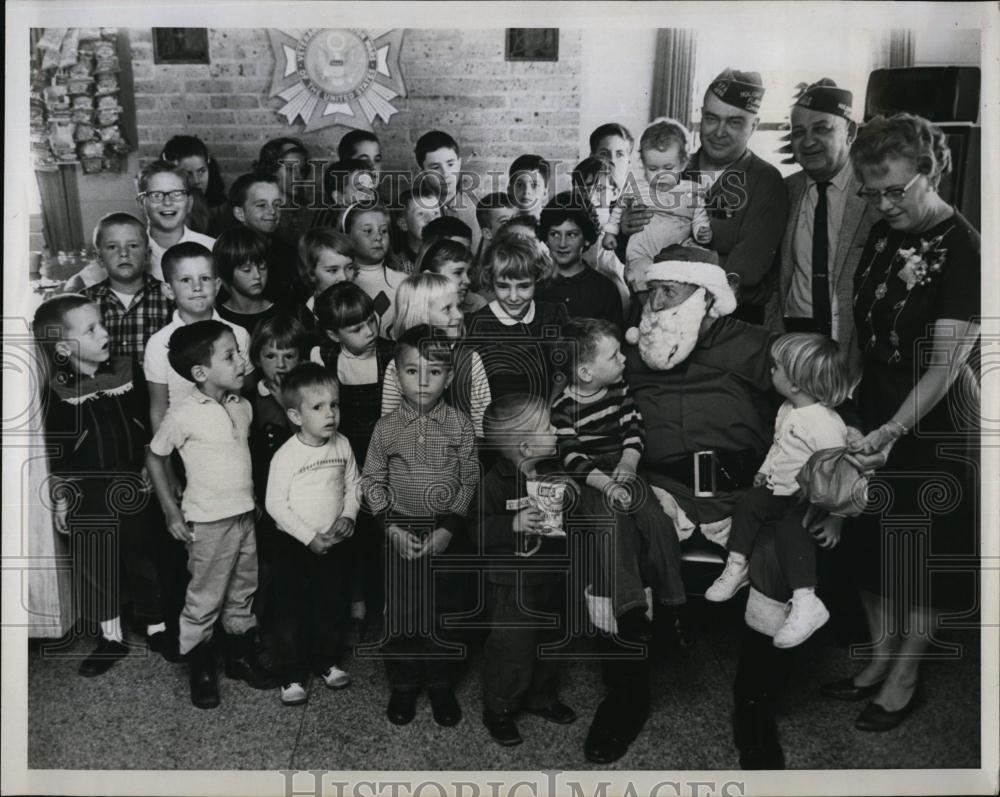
point(84, 115)
point(107, 116)
point(110, 135)
point(105, 56)
point(79, 86)
point(68, 53)
point(83, 132)
point(107, 83)
point(83, 101)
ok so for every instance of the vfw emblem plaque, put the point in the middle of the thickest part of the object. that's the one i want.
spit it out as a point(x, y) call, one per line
point(337, 76)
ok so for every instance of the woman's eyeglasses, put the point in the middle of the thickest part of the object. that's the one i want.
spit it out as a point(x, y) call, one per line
point(895, 195)
point(156, 197)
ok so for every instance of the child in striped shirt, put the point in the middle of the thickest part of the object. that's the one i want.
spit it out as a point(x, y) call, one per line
point(600, 434)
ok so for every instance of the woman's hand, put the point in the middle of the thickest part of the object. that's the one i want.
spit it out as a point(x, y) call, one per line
point(824, 527)
point(872, 451)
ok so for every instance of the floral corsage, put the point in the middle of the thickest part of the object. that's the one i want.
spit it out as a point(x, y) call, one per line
point(921, 263)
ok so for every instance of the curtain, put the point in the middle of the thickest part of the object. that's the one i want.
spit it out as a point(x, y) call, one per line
point(673, 74)
point(894, 48)
point(61, 218)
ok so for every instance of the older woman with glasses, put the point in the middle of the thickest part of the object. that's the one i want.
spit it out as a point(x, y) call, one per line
point(917, 307)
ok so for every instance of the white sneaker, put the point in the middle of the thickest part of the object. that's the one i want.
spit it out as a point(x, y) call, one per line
point(293, 694)
point(733, 579)
point(336, 678)
point(807, 615)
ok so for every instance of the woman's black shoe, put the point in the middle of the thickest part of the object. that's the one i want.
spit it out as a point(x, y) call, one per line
point(204, 686)
point(502, 728)
point(876, 718)
point(402, 706)
point(444, 706)
point(846, 689)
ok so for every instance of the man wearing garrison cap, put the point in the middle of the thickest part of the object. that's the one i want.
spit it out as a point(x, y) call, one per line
point(747, 202)
point(818, 261)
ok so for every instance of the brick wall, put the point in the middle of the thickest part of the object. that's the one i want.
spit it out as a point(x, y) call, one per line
point(456, 80)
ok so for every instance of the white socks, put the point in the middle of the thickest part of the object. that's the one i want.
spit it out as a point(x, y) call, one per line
point(112, 630)
point(155, 628)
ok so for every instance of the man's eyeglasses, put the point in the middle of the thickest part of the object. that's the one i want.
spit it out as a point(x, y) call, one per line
point(895, 195)
point(156, 197)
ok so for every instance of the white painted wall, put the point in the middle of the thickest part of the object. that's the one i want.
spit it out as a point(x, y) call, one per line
point(946, 45)
point(616, 79)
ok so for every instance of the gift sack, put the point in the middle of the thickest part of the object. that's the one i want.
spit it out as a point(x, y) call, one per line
point(829, 481)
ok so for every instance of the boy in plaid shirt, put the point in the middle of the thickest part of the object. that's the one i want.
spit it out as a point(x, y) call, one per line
point(419, 478)
point(132, 301)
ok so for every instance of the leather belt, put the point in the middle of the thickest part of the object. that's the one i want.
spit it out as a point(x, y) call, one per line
point(711, 472)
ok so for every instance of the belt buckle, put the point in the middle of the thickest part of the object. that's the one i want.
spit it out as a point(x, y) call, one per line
point(699, 460)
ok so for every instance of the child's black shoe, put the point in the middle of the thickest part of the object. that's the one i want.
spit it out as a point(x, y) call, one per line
point(502, 728)
point(204, 686)
point(243, 663)
point(165, 643)
point(635, 626)
point(103, 658)
point(402, 706)
point(444, 706)
point(557, 712)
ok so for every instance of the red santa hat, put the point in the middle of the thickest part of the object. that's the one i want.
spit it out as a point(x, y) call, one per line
point(696, 267)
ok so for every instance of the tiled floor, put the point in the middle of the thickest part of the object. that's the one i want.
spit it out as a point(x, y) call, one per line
point(138, 717)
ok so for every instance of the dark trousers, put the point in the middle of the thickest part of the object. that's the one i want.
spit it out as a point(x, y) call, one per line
point(417, 648)
point(794, 545)
point(635, 549)
point(113, 554)
point(516, 671)
point(310, 593)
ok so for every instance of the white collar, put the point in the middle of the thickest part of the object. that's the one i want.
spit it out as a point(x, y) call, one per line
point(505, 318)
point(840, 179)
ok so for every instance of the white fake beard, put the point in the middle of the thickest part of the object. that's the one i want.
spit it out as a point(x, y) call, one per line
point(667, 337)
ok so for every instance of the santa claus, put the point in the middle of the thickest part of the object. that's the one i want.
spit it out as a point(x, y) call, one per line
point(702, 381)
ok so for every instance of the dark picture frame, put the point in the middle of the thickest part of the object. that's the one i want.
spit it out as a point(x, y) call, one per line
point(180, 45)
point(532, 44)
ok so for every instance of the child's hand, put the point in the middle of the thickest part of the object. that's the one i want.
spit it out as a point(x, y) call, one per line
point(528, 521)
point(624, 471)
point(609, 241)
point(320, 544)
point(179, 528)
point(703, 234)
point(759, 479)
point(436, 543)
point(827, 533)
point(619, 496)
point(60, 515)
point(342, 528)
point(406, 543)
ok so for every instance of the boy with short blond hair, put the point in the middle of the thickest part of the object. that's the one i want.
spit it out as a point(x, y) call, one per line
point(132, 301)
point(313, 494)
point(511, 525)
point(209, 427)
point(601, 440)
point(419, 479)
point(166, 200)
point(192, 283)
point(96, 430)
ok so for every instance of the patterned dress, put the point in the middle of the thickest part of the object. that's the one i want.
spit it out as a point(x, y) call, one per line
point(924, 501)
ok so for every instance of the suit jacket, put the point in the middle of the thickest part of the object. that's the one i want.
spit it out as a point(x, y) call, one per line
point(858, 219)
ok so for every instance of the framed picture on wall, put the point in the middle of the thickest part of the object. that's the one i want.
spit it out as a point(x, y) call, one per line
point(180, 45)
point(532, 44)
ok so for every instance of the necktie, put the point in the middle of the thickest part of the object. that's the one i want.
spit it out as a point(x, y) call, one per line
point(822, 313)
